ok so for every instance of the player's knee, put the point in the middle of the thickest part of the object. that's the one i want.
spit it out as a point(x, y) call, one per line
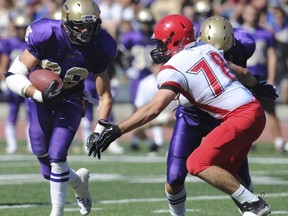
point(176, 170)
point(176, 179)
point(44, 166)
point(174, 189)
point(37, 146)
point(195, 166)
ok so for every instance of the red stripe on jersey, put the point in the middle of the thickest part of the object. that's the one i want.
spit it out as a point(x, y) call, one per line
point(209, 108)
point(206, 107)
point(167, 67)
point(175, 84)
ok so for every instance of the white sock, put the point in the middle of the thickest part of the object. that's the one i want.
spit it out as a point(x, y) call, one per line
point(57, 210)
point(177, 203)
point(158, 135)
point(58, 184)
point(10, 135)
point(75, 182)
point(243, 195)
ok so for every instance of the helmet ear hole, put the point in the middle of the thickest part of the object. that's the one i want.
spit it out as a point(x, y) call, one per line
point(176, 43)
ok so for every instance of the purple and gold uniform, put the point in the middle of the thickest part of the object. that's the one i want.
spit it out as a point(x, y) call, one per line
point(48, 41)
point(138, 44)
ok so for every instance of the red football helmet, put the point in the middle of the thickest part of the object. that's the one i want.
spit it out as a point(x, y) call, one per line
point(171, 33)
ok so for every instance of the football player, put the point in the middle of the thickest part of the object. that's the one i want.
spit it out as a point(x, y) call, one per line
point(196, 73)
point(237, 46)
point(135, 48)
point(73, 48)
point(9, 49)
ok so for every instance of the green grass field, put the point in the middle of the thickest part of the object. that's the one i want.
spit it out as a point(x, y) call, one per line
point(133, 185)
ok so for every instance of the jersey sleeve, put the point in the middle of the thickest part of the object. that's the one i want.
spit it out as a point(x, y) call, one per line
point(37, 38)
point(246, 40)
point(170, 78)
point(108, 52)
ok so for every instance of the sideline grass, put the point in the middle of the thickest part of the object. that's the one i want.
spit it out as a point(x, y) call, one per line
point(133, 185)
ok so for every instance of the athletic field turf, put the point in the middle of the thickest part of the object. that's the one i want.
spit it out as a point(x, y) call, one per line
point(133, 185)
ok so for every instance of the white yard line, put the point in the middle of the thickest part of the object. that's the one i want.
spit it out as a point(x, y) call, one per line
point(126, 158)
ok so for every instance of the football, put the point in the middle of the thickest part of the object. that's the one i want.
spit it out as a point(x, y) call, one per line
point(42, 78)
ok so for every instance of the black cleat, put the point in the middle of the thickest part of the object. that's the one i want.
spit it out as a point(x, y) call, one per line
point(259, 208)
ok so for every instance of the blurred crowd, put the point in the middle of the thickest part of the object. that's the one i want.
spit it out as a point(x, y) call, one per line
point(120, 16)
point(131, 22)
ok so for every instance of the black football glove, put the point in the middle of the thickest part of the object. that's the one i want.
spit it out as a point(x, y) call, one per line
point(99, 144)
point(91, 144)
point(263, 89)
point(52, 92)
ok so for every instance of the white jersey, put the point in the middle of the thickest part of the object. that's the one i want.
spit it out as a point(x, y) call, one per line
point(145, 92)
point(203, 78)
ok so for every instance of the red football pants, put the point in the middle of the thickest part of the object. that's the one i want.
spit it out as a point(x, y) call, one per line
point(228, 144)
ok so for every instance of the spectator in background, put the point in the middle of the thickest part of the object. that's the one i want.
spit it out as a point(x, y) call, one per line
point(6, 6)
point(111, 14)
point(130, 9)
point(161, 8)
point(9, 49)
point(263, 64)
point(281, 35)
point(188, 10)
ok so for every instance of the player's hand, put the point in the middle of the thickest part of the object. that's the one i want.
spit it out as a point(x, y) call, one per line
point(263, 89)
point(91, 145)
point(52, 92)
point(110, 133)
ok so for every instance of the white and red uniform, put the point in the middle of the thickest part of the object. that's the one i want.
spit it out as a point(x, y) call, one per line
point(204, 79)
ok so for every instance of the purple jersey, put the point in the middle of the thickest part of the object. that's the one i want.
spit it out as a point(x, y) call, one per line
point(138, 45)
point(244, 47)
point(48, 41)
point(257, 64)
point(54, 125)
